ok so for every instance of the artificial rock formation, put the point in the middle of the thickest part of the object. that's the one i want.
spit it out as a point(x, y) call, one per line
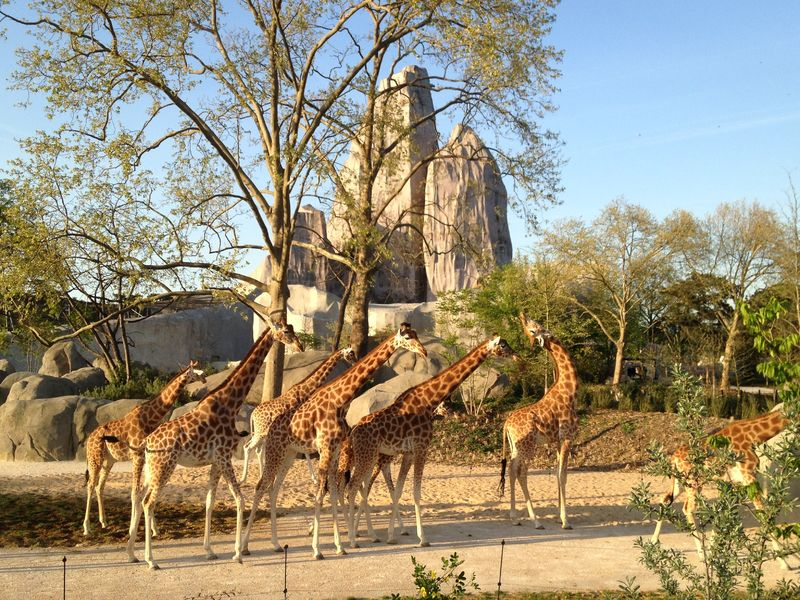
point(465, 216)
point(399, 190)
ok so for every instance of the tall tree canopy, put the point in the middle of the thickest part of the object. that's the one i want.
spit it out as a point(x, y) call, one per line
point(226, 112)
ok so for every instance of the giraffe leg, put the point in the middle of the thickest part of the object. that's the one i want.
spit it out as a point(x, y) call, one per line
point(105, 469)
point(334, 493)
point(254, 443)
point(419, 466)
point(311, 471)
point(513, 468)
point(138, 491)
point(669, 497)
point(211, 494)
point(358, 481)
point(387, 477)
point(522, 475)
point(563, 458)
point(323, 468)
point(688, 511)
point(233, 485)
point(405, 465)
point(93, 464)
point(158, 476)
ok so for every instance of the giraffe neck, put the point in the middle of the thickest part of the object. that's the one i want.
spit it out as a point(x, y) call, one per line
point(434, 390)
point(566, 373)
point(348, 384)
point(313, 381)
point(157, 407)
point(232, 392)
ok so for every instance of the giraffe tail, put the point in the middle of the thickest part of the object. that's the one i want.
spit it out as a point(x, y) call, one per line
point(503, 463)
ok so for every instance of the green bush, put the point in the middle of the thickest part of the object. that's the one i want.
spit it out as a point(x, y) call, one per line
point(145, 382)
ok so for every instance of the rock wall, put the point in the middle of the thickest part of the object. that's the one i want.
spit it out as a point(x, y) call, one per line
point(465, 216)
point(169, 341)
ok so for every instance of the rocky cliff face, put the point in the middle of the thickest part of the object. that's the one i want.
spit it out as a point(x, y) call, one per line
point(399, 189)
point(305, 267)
point(465, 215)
point(458, 200)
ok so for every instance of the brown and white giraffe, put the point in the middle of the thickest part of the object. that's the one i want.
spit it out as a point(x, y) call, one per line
point(406, 427)
point(551, 420)
point(744, 436)
point(319, 425)
point(130, 430)
point(381, 467)
point(206, 435)
point(265, 413)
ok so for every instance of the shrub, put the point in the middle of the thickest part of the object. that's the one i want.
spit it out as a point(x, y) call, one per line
point(430, 584)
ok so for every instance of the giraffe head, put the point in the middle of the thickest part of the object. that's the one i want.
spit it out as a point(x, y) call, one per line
point(284, 333)
point(348, 355)
point(407, 338)
point(535, 332)
point(195, 374)
point(500, 348)
point(441, 410)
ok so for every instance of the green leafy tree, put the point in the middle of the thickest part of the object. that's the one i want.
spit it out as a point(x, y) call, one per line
point(737, 244)
point(615, 262)
point(233, 109)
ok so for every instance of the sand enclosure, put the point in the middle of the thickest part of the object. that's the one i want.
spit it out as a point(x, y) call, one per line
point(462, 513)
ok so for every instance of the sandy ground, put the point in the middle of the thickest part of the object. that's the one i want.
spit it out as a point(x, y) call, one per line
point(462, 513)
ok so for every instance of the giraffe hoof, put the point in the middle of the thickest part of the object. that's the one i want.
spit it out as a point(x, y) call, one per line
point(391, 541)
point(403, 533)
point(376, 540)
point(319, 556)
point(424, 544)
point(245, 552)
point(133, 559)
point(237, 558)
point(278, 549)
point(341, 552)
point(154, 567)
point(538, 526)
point(211, 556)
point(567, 526)
point(355, 546)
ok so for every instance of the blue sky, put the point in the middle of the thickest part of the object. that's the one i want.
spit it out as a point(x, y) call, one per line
point(676, 104)
point(669, 104)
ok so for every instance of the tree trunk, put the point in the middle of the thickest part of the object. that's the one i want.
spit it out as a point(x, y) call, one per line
point(359, 313)
point(337, 337)
point(727, 355)
point(273, 364)
point(620, 344)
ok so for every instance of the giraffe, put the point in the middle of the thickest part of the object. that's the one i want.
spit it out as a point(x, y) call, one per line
point(744, 435)
point(406, 427)
point(551, 420)
point(266, 412)
point(131, 430)
point(381, 467)
point(319, 425)
point(206, 435)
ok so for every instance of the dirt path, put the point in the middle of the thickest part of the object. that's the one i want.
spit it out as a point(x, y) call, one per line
point(462, 513)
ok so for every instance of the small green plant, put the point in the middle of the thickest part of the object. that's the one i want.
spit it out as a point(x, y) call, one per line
point(430, 584)
point(732, 553)
point(628, 427)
